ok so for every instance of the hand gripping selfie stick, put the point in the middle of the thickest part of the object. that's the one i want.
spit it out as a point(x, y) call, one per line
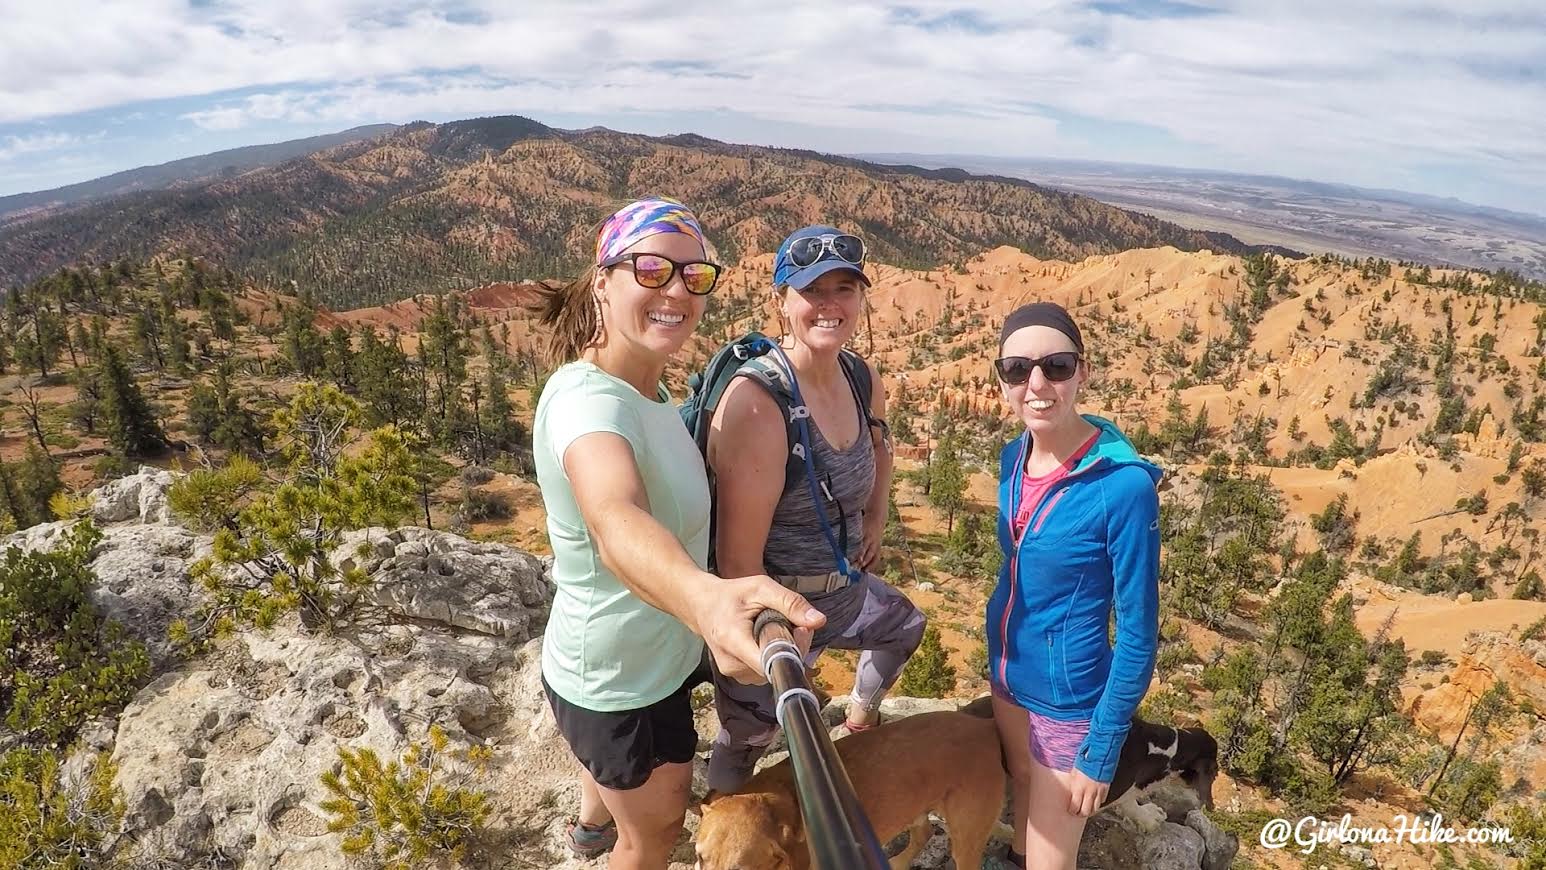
point(836, 829)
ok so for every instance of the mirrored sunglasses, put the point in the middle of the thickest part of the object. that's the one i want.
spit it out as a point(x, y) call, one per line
point(654, 272)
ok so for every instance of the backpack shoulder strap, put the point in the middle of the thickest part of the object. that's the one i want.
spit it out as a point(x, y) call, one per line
point(769, 375)
point(858, 373)
point(780, 382)
point(707, 388)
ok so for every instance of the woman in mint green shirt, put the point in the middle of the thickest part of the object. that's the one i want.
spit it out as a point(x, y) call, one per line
point(627, 504)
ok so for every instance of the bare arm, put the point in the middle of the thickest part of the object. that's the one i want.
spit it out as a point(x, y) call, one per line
point(633, 545)
point(748, 449)
point(652, 563)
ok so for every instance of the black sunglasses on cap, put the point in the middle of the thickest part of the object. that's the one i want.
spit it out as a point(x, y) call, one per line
point(1016, 370)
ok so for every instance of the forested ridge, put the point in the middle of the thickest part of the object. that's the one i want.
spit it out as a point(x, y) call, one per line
point(430, 208)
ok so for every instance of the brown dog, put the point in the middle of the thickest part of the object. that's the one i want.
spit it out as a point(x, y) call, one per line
point(946, 762)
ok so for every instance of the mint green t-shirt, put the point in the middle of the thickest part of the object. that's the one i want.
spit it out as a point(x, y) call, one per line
point(604, 648)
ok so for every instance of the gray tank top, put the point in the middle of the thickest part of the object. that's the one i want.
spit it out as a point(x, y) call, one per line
point(796, 544)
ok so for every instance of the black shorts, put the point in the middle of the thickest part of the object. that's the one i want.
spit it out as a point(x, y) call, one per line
point(623, 748)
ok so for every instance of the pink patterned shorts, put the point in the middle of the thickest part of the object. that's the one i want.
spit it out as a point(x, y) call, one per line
point(1054, 742)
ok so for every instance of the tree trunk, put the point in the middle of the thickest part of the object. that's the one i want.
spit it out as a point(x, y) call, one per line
point(424, 500)
point(1449, 757)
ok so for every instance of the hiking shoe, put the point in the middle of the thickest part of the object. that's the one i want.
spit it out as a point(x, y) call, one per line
point(588, 842)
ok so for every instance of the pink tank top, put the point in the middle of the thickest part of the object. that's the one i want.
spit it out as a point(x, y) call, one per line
point(1034, 489)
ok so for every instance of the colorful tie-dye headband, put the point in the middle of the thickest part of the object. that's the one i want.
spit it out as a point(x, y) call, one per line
point(642, 219)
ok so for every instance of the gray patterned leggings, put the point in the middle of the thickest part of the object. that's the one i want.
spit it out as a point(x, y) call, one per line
point(869, 615)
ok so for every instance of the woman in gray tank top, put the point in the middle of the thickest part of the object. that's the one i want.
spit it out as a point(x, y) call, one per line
point(765, 522)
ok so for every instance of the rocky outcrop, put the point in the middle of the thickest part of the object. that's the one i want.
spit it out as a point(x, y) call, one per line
point(444, 578)
point(220, 758)
point(141, 568)
point(138, 497)
point(1487, 657)
point(224, 757)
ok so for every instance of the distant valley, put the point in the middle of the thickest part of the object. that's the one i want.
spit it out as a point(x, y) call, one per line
point(1305, 215)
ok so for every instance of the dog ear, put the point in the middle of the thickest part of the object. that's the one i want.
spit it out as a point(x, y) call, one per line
point(696, 807)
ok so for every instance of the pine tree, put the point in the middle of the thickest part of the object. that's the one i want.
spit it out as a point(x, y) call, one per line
point(929, 673)
point(490, 351)
point(502, 432)
point(37, 480)
point(303, 344)
point(203, 413)
point(383, 378)
point(220, 313)
point(176, 341)
point(87, 407)
point(338, 359)
point(406, 813)
point(1533, 477)
point(81, 338)
point(17, 508)
point(947, 480)
point(443, 354)
point(147, 337)
point(131, 426)
point(218, 415)
point(40, 334)
point(284, 538)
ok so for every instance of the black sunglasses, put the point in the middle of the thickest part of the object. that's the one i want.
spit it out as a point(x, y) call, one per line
point(1016, 370)
point(849, 249)
point(654, 272)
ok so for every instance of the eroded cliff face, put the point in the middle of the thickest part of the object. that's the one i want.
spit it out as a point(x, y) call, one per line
point(1487, 657)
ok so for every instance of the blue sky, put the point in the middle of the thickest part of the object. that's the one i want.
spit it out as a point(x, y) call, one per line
point(1445, 99)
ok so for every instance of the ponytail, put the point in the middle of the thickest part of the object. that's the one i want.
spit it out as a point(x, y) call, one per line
point(570, 312)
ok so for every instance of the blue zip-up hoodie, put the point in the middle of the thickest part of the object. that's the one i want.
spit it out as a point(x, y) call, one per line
point(1093, 543)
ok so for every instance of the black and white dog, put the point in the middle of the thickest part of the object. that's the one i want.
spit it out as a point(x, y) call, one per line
point(1151, 754)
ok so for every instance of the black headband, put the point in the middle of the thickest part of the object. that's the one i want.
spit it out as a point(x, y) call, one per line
point(1040, 314)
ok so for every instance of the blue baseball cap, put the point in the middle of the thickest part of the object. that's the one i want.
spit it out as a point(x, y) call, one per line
point(787, 273)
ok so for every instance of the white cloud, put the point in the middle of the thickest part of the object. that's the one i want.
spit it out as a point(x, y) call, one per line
point(12, 147)
point(1365, 91)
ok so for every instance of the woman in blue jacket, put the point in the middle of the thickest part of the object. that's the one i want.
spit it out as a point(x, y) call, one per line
point(1079, 528)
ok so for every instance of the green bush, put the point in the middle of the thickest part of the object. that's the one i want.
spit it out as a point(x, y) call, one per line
point(210, 499)
point(407, 813)
point(929, 673)
point(479, 505)
point(1172, 656)
point(1535, 630)
point(1307, 789)
point(273, 556)
point(1162, 706)
point(48, 821)
point(60, 663)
